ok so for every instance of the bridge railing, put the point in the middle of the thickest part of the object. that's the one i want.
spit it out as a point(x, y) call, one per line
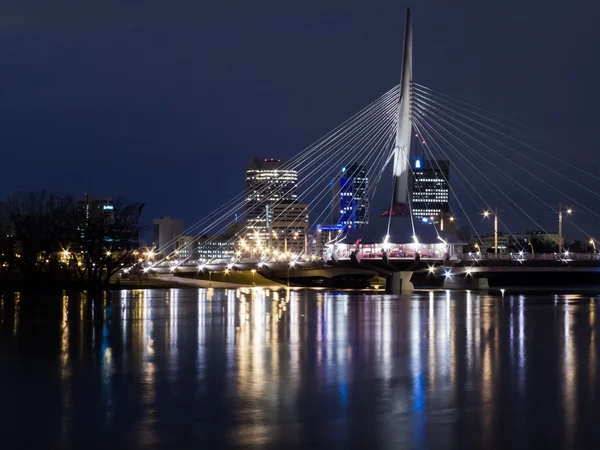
point(531, 257)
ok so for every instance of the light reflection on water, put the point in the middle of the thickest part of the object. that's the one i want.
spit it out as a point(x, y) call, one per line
point(253, 367)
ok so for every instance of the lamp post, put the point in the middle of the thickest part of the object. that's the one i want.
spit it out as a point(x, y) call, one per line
point(593, 244)
point(450, 218)
point(567, 211)
point(486, 214)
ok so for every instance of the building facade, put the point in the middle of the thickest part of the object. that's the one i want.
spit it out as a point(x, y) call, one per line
point(186, 247)
point(288, 228)
point(274, 217)
point(267, 183)
point(165, 232)
point(216, 248)
point(90, 208)
point(430, 188)
point(488, 242)
point(350, 200)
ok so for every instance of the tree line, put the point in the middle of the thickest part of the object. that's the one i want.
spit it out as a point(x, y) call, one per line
point(47, 238)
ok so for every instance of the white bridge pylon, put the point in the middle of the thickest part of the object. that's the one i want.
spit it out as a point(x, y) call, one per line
point(404, 123)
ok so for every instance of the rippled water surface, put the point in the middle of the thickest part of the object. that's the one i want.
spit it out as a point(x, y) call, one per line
point(301, 369)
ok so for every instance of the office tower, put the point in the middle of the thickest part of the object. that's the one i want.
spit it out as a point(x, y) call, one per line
point(166, 230)
point(350, 201)
point(274, 218)
point(90, 208)
point(430, 188)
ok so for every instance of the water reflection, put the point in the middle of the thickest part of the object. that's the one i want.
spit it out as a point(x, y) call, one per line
point(253, 367)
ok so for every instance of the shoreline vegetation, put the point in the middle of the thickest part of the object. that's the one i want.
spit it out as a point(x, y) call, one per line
point(47, 239)
point(218, 281)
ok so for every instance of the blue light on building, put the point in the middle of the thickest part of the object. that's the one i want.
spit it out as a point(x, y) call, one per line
point(336, 227)
point(417, 164)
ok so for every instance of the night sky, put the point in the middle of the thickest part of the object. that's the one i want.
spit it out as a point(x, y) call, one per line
point(164, 102)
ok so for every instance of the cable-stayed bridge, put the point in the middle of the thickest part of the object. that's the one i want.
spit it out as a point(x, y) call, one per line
point(496, 171)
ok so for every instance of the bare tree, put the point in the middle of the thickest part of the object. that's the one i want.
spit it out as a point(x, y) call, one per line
point(42, 233)
point(36, 226)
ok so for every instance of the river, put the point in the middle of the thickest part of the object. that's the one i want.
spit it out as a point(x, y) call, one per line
point(189, 368)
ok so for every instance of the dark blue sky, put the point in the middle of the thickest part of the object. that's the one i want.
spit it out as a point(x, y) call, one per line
point(164, 102)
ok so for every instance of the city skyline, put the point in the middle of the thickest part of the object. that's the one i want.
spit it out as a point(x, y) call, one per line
point(122, 124)
point(365, 225)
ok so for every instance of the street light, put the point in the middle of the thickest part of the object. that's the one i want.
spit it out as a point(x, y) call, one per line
point(568, 211)
point(486, 214)
point(253, 272)
point(593, 244)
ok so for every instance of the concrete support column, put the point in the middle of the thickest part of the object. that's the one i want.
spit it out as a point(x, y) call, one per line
point(398, 282)
point(393, 283)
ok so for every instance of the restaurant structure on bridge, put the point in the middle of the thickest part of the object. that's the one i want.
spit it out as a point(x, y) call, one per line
point(399, 237)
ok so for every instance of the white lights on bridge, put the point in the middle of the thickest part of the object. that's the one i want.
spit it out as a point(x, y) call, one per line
point(469, 269)
point(431, 269)
point(448, 273)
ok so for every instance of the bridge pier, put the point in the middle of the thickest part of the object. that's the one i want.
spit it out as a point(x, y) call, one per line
point(398, 282)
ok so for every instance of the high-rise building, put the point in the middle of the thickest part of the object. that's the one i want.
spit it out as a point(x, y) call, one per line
point(430, 188)
point(273, 215)
point(350, 201)
point(166, 230)
point(90, 207)
point(266, 184)
point(114, 222)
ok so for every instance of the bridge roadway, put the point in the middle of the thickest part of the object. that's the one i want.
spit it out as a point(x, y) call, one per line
point(468, 263)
